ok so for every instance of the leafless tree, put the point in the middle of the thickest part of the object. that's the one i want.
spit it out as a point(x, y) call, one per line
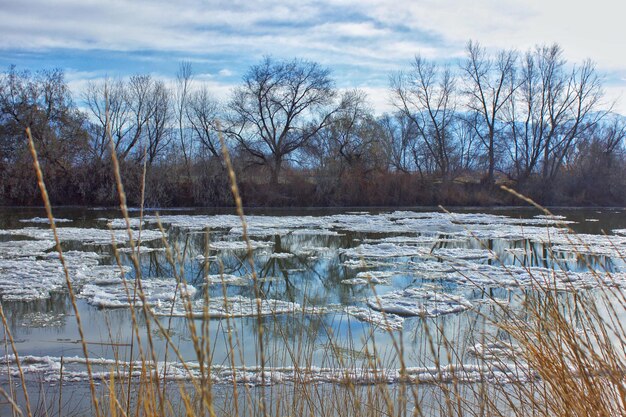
point(184, 77)
point(490, 85)
point(97, 96)
point(140, 105)
point(158, 128)
point(399, 136)
point(202, 112)
point(352, 135)
point(279, 108)
point(468, 140)
point(552, 109)
point(129, 110)
point(425, 95)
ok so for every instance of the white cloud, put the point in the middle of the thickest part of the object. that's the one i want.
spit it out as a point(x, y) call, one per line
point(364, 39)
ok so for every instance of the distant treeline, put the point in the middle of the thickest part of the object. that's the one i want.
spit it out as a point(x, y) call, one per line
point(529, 120)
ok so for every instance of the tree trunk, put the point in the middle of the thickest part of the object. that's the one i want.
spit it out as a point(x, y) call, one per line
point(275, 171)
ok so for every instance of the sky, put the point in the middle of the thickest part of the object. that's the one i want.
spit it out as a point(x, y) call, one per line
point(361, 41)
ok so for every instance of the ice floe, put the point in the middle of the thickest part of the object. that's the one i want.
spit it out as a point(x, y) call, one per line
point(141, 249)
point(419, 302)
point(385, 250)
point(386, 321)
point(133, 222)
point(28, 279)
point(48, 368)
point(39, 319)
point(463, 253)
point(239, 245)
point(84, 235)
point(44, 220)
point(491, 276)
point(281, 255)
point(156, 292)
point(166, 298)
point(370, 277)
point(24, 248)
point(227, 279)
point(232, 307)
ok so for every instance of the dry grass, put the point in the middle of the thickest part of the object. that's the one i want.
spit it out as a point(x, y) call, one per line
point(567, 350)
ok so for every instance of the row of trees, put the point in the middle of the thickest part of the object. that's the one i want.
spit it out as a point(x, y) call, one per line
point(530, 119)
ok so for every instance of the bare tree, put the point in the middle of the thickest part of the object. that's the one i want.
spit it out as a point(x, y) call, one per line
point(551, 110)
point(158, 128)
point(279, 108)
point(129, 110)
point(490, 86)
point(184, 77)
point(576, 112)
point(140, 111)
point(468, 139)
point(348, 138)
point(202, 112)
point(425, 95)
point(96, 97)
point(399, 136)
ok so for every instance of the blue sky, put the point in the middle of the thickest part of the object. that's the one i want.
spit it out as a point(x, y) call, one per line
point(362, 41)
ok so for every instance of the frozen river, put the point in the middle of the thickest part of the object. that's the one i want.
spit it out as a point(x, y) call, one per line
point(336, 289)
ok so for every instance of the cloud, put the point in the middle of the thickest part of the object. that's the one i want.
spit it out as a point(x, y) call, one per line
point(362, 41)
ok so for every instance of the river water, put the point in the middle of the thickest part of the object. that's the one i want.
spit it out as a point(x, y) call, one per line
point(338, 288)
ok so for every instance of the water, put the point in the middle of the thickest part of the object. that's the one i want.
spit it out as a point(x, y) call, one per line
point(326, 276)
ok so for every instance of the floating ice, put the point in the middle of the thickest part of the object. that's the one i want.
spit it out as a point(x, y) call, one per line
point(38, 319)
point(47, 368)
point(363, 263)
point(550, 217)
point(24, 248)
point(422, 240)
point(238, 245)
point(315, 251)
point(27, 279)
point(44, 220)
point(282, 255)
point(84, 235)
point(202, 258)
point(370, 277)
point(491, 276)
point(236, 306)
point(385, 250)
point(386, 321)
point(156, 292)
point(419, 302)
point(463, 253)
point(164, 298)
point(226, 279)
point(134, 223)
point(141, 249)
